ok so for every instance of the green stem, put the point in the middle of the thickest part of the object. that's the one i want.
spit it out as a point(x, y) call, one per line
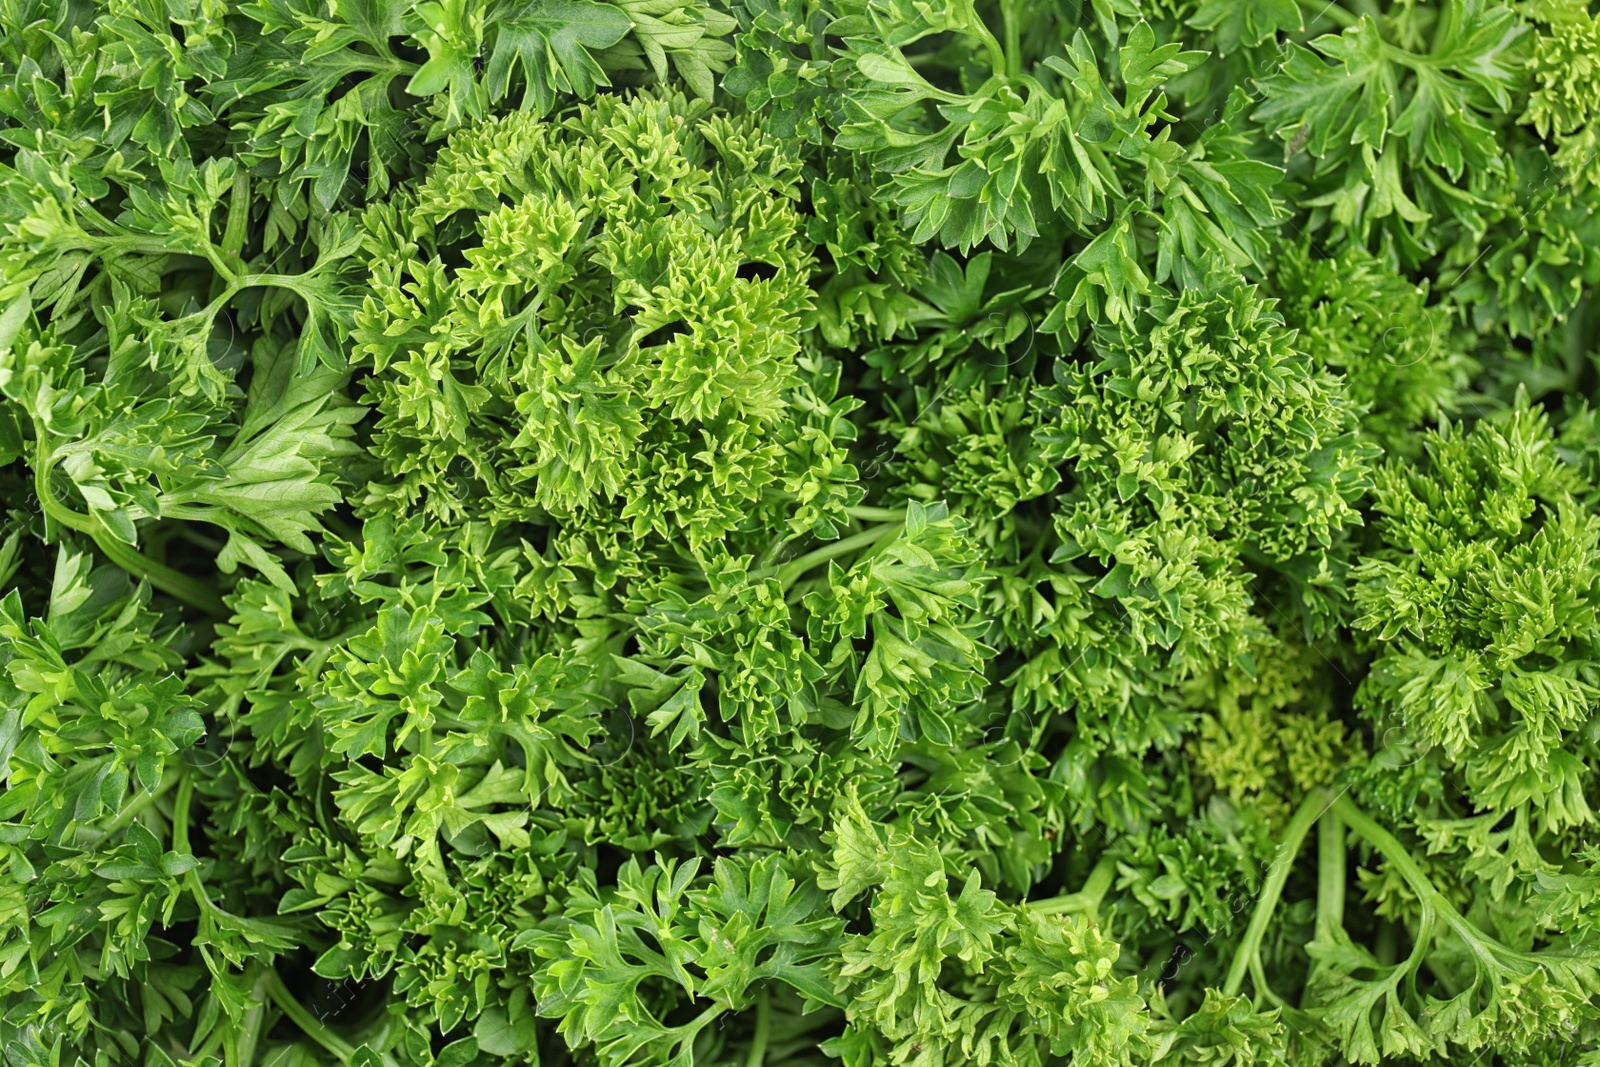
point(1385, 945)
point(309, 1024)
point(115, 238)
point(191, 591)
point(1445, 29)
point(237, 228)
point(132, 810)
point(1399, 858)
point(1419, 947)
point(699, 1022)
point(758, 1043)
point(1330, 872)
point(1398, 855)
point(764, 564)
point(1331, 11)
point(214, 257)
point(132, 244)
point(180, 816)
point(229, 291)
point(242, 1052)
point(1013, 32)
point(181, 587)
point(1258, 975)
point(997, 55)
point(1277, 876)
point(791, 571)
point(88, 210)
point(866, 514)
point(1086, 899)
point(180, 843)
point(292, 282)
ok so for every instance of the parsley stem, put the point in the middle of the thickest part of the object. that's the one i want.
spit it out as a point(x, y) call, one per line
point(1315, 803)
point(1013, 33)
point(1406, 867)
point(1330, 871)
point(1398, 855)
point(180, 816)
point(88, 210)
point(115, 238)
point(275, 989)
point(1330, 11)
point(131, 810)
point(1258, 975)
point(291, 282)
point(175, 584)
point(1087, 899)
point(237, 226)
point(179, 586)
point(309, 1024)
point(866, 514)
point(253, 1018)
point(758, 1043)
point(790, 572)
point(247, 1036)
point(997, 55)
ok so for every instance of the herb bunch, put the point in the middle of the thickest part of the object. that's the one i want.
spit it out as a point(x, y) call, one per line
point(697, 532)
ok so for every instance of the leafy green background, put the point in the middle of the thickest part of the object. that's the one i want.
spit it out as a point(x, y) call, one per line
point(662, 532)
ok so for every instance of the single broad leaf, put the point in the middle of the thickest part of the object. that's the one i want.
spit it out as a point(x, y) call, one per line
point(959, 295)
point(12, 320)
point(551, 40)
point(1327, 107)
point(1245, 23)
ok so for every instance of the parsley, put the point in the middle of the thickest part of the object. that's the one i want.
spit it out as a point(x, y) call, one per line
point(691, 532)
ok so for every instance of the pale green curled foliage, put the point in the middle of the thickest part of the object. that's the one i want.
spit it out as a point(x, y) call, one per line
point(1483, 595)
point(1562, 104)
point(1268, 735)
point(1486, 594)
point(619, 343)
point(778, 533)
point(949, 974)
point(1223, 1032)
